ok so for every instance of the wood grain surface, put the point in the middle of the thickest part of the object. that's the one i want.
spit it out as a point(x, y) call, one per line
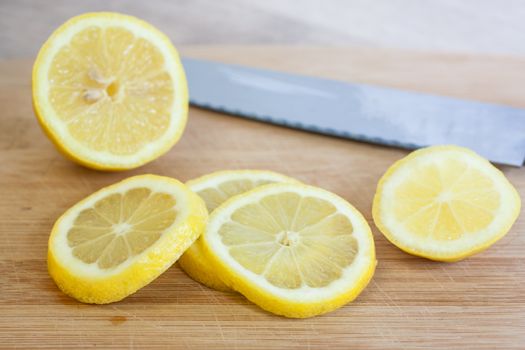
point(411, 302)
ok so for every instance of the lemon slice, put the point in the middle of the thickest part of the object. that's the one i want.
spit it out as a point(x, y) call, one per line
point(110, 91)
point(215, 188)
point(444, 203)
point(122, 237)
point(292, 249)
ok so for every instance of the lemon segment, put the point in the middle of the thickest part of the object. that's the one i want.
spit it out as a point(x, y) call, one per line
point(292, 249)
point(444, 203)
point(214, 189)
point(120, 238)
point(110, 91)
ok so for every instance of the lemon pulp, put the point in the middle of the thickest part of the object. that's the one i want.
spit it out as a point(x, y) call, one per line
point(291, 240)
point(121, 226)
point(452, 200)
point(111, 90)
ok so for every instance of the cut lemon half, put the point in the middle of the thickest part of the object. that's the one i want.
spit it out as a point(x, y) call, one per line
point(292, 249)
point(110, 91)
point(444, 203)
point(122, 237)
point(216, 188)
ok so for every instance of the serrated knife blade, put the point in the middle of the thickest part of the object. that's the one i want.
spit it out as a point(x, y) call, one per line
point(358, 111)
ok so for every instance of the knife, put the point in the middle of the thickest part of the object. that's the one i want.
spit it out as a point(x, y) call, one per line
point(358, 111)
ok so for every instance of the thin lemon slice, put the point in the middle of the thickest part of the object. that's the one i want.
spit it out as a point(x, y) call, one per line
point(122, 237)
point(444, 203)
point(292, 249)
point(216, 188)
point(110, 91)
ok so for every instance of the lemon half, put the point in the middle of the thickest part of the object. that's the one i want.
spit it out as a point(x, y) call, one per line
point(110, 91)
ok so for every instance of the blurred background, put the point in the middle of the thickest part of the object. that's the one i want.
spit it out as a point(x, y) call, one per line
point(472, 26)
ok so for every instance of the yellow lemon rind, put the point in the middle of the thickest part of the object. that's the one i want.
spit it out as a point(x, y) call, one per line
point(194, 263)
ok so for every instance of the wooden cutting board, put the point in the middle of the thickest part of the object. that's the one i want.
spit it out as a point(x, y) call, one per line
point(410, 303)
